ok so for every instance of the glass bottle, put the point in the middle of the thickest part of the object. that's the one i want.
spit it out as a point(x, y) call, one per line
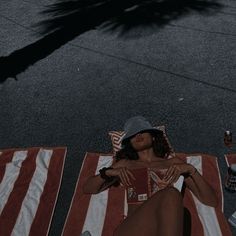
point(228, 138)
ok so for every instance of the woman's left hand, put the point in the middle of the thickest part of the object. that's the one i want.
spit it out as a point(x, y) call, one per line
point(175, 170)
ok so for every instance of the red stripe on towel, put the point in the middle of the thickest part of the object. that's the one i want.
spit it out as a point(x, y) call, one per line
point(115, 210)
point(78, 210)
point(212, 176)
point(47, 199)
point(6, 157)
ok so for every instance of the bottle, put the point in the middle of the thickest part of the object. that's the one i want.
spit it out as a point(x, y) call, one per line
point(230, 181)
point(228, 138)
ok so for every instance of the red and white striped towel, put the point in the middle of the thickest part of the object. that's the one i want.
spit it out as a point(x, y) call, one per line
point(230, 158)
point(29, 184)
point(101, 213)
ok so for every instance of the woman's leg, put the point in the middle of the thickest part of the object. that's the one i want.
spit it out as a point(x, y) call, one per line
point(170, 214)
point(161, 215)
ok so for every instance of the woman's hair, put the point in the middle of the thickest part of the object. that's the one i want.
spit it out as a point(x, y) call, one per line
point(160, 146)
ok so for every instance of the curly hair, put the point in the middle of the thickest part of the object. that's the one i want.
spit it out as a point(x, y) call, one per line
point(160, 147)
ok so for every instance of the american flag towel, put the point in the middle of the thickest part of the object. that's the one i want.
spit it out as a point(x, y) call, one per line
point(101, 213)
point(29, 184)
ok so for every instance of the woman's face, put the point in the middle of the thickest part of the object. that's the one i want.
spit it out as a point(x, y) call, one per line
point(141, 141)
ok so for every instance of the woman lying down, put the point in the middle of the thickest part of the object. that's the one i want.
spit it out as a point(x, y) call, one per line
point(145, 169)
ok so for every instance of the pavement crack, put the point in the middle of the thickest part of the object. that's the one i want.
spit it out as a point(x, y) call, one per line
point(16, 23)
point(157, 69)
point(201, 30)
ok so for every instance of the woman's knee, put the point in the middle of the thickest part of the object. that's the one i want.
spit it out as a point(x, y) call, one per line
point(171, 196)
point(168, 198)
point(172, 191)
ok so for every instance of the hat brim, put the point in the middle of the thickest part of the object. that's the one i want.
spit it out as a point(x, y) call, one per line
point(131, 134)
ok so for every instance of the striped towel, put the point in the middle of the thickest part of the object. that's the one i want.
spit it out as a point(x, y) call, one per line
point(230, 159)
point(29, 184)
point(101, 213)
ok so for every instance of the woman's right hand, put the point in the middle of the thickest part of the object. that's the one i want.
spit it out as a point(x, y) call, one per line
point(123, 173)
point(162, 184)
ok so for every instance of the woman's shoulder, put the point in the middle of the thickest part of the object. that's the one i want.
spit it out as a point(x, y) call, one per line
point(176, 160)
point(121, 163)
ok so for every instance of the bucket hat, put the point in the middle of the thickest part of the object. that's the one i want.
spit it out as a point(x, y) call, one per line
point(136, 125)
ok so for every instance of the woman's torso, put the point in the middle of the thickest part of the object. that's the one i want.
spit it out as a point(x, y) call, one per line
point(135, 164)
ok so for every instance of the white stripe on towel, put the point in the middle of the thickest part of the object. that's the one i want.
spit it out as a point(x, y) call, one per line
point(207, 214)
point(125, 205)
point(221, 190)
point(98, 204)
point(32, 198)
point(11, 174)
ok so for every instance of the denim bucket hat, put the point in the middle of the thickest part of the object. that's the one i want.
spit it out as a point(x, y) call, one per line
point(135, 125)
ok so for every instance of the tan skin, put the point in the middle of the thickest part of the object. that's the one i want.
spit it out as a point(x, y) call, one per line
point(166, 205)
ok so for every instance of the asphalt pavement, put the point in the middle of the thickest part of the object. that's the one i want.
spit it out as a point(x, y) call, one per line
point(71, 71)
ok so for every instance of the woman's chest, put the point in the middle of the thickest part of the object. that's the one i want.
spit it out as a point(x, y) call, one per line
point(165, 164)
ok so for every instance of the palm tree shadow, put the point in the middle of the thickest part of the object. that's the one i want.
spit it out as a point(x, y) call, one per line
point(69, 19)
point(157, 14)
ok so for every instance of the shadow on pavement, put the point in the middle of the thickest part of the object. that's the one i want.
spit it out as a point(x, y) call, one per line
point(68, 19)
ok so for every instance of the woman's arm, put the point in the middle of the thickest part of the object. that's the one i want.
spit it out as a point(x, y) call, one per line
point(193, 180)
point(201, 189)
point(96, 184)
point(93, 184)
